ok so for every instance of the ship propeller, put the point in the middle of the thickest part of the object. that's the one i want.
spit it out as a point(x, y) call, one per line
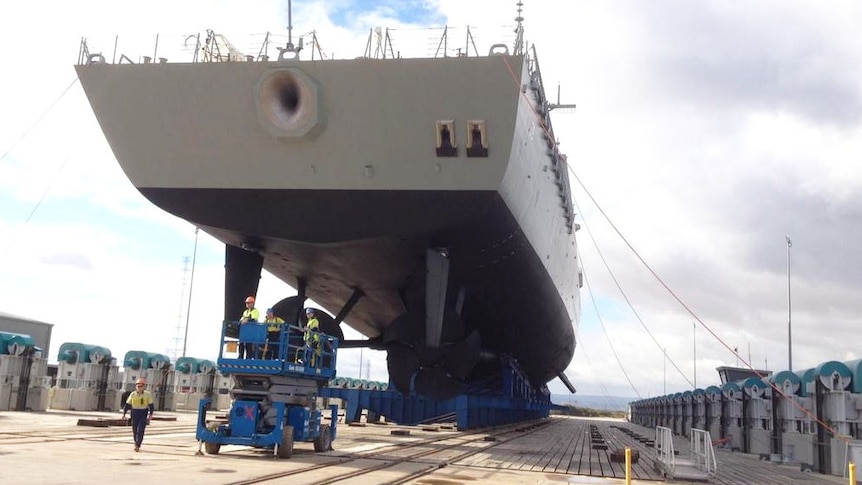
point(290, 309)
point(433, 372)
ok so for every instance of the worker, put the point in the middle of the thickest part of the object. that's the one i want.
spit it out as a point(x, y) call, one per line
point(250, 314)
point(312, 337)
point(273, 334)
point(140, 402)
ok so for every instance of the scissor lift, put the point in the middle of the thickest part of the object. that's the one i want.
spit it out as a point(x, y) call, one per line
point(275, 401)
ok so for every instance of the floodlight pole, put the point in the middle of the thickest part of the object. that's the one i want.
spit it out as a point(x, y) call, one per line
point(191, 285)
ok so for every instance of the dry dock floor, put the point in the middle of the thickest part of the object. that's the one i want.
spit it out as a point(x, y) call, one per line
point(50, 448)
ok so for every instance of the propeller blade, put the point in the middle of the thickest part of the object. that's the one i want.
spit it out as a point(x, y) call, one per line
point(461, 357)
point(329, 326)
point(410, 328)
point(428, 356)
point(289, 307)
point(406, 328)
point(402, 363)
point(436, 383)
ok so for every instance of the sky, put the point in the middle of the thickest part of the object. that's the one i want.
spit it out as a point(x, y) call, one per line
point(705, 133)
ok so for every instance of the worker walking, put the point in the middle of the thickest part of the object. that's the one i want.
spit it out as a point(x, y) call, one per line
point(140, 403)
point(250, 314)
point(312, 337)
point(273, 334)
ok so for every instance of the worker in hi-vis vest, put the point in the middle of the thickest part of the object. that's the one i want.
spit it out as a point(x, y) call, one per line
point(312, 337)
point(273, 334)
point(140, 403)
point(250, 314)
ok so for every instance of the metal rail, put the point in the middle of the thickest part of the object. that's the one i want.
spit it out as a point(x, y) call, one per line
point(702, 451)
point(664, 450)
point(85, 434)
point(559, 161)
point(213, 47)
point(498, 437)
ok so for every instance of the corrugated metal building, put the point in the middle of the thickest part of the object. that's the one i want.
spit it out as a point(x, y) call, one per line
point(39, 331)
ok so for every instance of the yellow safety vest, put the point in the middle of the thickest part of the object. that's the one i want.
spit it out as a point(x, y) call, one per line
point(311, 329)
point(274, 324)
point(140, 400)
point(252, 314)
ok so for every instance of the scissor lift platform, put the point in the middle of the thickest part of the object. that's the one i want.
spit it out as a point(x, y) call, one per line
point(275, 401)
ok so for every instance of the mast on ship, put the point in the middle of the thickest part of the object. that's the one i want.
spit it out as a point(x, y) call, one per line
point(290, 49)
point(519, 31)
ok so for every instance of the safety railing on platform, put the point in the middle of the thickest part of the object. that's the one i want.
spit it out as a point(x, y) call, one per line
point(214, 47)
point(292, 348)
point(664, 450)
point(702, 452)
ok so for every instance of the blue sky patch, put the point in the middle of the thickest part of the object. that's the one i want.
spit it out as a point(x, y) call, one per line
point(422, 12)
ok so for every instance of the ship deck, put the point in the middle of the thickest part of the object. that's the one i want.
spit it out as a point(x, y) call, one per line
point(49, 447)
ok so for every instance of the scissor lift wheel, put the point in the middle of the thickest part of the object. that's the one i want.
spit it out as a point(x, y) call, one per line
point(324, 441)
point(285, 449)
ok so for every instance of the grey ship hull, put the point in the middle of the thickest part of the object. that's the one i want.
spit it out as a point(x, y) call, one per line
point(345, 191)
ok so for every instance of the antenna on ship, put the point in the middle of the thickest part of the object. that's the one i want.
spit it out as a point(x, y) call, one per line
point(519, 31)
point(564, 108)
point(290, 48)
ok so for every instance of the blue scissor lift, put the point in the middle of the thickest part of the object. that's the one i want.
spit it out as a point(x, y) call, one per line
point(275, 399)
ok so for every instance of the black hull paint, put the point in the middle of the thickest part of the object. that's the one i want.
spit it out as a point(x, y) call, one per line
point(340, 240)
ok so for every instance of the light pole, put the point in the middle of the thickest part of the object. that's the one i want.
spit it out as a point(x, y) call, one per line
point(191, 285)
point(789, 334)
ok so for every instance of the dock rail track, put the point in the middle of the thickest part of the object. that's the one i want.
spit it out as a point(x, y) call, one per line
point(394, 454)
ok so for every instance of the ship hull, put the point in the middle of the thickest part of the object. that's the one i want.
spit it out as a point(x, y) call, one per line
point(352, 196)
point(511, 299)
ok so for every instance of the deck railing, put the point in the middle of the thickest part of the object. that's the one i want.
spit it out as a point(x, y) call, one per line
point(559, 161)
point(664, 450)
point(702, 452)
point(212, 46)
